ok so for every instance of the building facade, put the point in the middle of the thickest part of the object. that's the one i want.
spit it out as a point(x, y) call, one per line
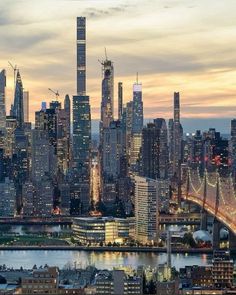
point(146, 210)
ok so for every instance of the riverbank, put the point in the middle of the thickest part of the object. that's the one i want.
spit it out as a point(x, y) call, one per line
point(108, 249)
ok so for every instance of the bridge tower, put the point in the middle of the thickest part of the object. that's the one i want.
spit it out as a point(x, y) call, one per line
point(203, 211)
point(216, 223)
point(168, 248)
point(188, 188)
point(179, 184)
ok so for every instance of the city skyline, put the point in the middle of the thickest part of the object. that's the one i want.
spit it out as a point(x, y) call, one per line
point(145, 183)
point(167, 57)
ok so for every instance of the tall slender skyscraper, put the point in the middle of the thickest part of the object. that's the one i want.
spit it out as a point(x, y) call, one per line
point(2, 100)
point(18, 107)
point(26, 105)
point(177, 134)
point(137, 118)
point(176, 107)
point(67, 109)
point(107, 104)
point(137, 125)
point(82, 121)
point(81, 55)
point(120, 100)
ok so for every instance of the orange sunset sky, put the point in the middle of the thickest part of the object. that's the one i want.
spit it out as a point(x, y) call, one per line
point(175, 45)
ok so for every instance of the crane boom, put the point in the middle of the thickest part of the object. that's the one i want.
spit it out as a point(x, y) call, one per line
point(14, 70)
point(55, 92)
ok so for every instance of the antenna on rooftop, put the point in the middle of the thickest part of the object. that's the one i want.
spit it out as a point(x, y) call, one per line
point(105, 53)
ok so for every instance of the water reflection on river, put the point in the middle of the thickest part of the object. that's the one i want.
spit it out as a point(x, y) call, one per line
point(102, 260)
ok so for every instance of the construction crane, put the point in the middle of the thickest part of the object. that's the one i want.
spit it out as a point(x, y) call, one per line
point(14, 70)
point(55, 92)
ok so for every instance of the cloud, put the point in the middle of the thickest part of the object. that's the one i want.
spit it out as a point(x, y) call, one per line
point(183, 49)
point(95, 13)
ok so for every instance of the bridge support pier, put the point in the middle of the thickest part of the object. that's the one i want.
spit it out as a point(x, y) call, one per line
point(203, 220)
point(216, 234)
point(232, 240)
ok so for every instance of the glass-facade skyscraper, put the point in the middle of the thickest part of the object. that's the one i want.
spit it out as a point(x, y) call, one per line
point(81, 55)
point(82, 121)
point(137, 118)
point(18, 107)
point(107, 104)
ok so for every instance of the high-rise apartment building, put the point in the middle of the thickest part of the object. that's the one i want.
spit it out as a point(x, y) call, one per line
point(137, 126)
point(67, 108)
point(82, 120)
point(111, 150)
point(154, 156)
point(8, 198)
point(175, 137)
point(107, 104)
point(161, 126)
point(43, 157)
point(28, 193)
point(128, 112)
point(81, 56)
point(11, 125)
point(63, 141)
point(26, 105)
point(146, 209)
point(137, 116)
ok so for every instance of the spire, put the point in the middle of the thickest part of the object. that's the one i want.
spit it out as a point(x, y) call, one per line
point(18, 108)
point(105, 53)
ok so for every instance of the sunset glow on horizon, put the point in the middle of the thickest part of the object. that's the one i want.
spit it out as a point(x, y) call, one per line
point(183, 46)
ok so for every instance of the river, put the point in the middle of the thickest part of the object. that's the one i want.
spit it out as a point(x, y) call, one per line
point(101, 260)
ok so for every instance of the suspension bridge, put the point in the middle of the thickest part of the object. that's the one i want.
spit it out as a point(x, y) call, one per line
point(215, 195)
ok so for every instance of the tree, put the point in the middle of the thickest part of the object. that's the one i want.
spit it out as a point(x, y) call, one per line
point(2, 280)
point(189, 240)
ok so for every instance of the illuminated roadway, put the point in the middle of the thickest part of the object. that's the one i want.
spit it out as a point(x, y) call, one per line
point(220, 198)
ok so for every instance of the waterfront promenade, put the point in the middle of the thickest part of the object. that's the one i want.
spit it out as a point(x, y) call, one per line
point(108, 249)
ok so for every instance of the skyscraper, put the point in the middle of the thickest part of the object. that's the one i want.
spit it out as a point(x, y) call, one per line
point(82, 120)
point(129, 119)
point(137, 125)
point(146, 210)
point(43, 158)
point(63, 140)
point(8, 198)
point(26, 105)
point(107, 104)
point(120, 100)
point(137, 118)
point(68, 111)
point(81, 55)
point(2, 100)
point(160, 124)
point(18, 107)
point(150, 152)
point(111, 161)
point(177, 135)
